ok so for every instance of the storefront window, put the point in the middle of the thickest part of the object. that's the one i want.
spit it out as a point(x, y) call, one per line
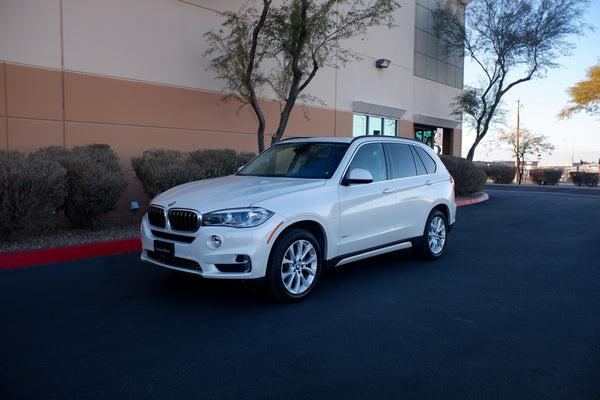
point(370, 125)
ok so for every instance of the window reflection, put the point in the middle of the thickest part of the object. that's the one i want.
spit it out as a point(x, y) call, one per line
point(375, 126)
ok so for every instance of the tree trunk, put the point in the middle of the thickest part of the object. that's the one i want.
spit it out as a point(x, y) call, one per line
point(261, 126)
point(471, 153)
point(295, 53)
point(250, 69)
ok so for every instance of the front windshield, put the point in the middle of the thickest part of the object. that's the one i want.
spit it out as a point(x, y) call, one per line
point(316, 160)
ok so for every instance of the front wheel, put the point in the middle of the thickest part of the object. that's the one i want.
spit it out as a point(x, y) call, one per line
point(294, 266)
point(433, 243)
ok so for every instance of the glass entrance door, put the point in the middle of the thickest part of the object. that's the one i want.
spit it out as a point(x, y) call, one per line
point(432, 137)
point(425, 135)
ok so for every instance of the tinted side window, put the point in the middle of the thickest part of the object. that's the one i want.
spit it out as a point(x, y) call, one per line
point(418, 163)
point(428, 163)
point(370, 157)
point(402, 164)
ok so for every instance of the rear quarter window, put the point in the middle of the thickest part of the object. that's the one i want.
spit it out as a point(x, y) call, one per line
point(426, 161)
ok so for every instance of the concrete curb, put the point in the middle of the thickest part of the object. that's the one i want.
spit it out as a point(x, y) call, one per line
point(46, 256)
point(480, 199)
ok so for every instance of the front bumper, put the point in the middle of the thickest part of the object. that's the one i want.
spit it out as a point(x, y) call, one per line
point(243, 253)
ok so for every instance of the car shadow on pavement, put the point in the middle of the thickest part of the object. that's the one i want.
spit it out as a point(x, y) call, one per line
point(182, 288)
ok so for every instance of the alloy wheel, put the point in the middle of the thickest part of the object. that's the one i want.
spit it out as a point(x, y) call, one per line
point(437, 235)
point(299, 267)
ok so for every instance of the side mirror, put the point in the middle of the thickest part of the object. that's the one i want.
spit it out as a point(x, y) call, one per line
point(357, 176)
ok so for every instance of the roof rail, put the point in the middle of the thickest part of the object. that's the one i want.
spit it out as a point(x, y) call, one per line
point(386, 137)
point(299, 137)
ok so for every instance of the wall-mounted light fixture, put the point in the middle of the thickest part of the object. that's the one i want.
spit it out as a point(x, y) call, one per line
point(382, 63)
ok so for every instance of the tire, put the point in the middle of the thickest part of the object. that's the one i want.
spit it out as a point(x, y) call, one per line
point(435, 237)
point(294, 267)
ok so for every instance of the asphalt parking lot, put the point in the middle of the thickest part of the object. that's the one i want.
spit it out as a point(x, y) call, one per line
point(510, 312)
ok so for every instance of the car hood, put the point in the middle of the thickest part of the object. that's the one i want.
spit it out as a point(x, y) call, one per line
point(230, 192)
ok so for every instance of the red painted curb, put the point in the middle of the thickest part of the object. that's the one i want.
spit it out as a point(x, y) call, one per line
point(25, 259)
point(480, 199)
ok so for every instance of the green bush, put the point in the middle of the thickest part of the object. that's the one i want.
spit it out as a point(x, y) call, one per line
point(159, 170)
point(504, 174)
point(543, 176)
point(95, 181)
point(584, 178)
point(30, 189)
point(468, 177)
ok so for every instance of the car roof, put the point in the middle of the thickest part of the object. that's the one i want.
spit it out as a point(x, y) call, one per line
point(319, 139)
point(348, 139)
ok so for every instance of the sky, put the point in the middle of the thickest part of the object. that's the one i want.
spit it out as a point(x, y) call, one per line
point(575, 139)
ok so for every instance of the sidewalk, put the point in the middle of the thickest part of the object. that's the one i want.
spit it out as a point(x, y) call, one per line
point(46, 256)
point(563, 187)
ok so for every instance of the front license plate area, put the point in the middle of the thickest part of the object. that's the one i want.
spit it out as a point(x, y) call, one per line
point(164, 249)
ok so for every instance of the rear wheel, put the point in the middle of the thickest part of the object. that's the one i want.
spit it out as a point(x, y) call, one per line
point(294, 266)
point(433, 242)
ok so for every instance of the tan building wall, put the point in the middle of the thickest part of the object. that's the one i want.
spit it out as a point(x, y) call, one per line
point(3, 132)
point(131, 74)
point(42, 107)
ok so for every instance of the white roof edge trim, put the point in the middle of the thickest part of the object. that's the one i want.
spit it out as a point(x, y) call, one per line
point(378, 110)
point(436, 121)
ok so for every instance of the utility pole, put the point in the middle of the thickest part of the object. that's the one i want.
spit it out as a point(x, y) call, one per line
point(519, 175)
point(517, 145)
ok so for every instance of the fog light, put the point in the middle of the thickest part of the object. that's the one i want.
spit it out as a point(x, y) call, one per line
point(215, 242)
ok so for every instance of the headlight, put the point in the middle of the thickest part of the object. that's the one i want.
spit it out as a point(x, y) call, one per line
point(239, 217)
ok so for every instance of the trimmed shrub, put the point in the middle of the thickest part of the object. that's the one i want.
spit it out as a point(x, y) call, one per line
point(468, 177)
point(213, 163)
point(95, 181)
point(543, 176)
point(30, 189)
point(159, 170)
point(504, 174)
point(585, 178)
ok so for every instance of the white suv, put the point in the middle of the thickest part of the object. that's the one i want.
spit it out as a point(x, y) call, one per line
point(301, 206)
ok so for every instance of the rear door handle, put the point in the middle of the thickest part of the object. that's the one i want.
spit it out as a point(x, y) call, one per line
point(429, 183)
point(388, 191)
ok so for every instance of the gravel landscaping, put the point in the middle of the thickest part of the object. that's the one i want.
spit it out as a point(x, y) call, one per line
point(62, 234)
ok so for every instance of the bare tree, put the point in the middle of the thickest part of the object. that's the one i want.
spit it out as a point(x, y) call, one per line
point(297, 39)
point(240, 49)
point(512, 41)
point(524, 142)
